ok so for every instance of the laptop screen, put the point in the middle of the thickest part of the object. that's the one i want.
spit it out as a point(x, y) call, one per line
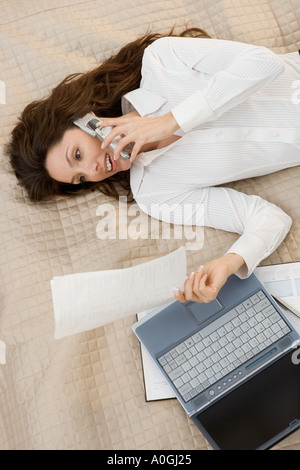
point(258, 412)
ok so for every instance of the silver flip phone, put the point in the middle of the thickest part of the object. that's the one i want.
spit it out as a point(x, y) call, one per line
point(89, 124)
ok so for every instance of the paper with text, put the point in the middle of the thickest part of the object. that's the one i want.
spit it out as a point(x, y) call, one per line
point(84, 301)
point(283, 281)
point(156, 386)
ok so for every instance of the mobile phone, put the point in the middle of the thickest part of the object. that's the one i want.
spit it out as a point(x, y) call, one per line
point(88, 124)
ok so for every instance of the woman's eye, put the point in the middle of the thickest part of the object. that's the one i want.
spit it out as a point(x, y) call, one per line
point(77, 154)
point(82, 179)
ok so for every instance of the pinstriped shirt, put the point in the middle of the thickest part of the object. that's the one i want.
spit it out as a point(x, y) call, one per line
point(238, 109)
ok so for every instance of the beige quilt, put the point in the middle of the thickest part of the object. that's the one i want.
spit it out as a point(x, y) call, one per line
point(86, 391)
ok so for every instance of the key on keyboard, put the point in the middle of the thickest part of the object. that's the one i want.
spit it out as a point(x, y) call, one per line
point(225, 344)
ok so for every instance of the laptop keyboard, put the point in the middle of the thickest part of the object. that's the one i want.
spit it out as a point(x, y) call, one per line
point(203, 359)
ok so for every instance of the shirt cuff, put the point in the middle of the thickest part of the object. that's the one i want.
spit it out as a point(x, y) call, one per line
point(192, 111)
point(252, 250)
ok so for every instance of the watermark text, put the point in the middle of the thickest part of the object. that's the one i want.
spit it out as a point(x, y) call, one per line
point(296, 357)
point(160, 221)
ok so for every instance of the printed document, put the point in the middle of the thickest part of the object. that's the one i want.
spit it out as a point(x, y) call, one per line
point(84, 301)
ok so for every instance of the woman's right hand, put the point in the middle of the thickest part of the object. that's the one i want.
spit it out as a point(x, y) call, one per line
point(139, 130)
point(205, 284)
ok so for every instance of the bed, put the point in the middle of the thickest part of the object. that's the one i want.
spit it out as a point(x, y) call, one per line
point(86, 391)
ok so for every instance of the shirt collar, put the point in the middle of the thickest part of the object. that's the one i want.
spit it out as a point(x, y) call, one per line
point(137, 167)
point(144, 101)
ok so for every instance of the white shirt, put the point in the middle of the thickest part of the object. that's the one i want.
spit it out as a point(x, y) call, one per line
point(239, 117)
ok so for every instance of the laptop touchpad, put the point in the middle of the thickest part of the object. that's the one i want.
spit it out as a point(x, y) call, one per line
point(200, 312)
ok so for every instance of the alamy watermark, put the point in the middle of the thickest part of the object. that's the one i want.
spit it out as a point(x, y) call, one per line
point(2, 92)
point(296, 357)
point(159, 221)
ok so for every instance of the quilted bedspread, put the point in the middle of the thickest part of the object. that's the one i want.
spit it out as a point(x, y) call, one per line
point(86, 391)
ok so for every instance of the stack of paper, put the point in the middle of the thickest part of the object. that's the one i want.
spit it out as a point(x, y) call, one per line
point(282, 281)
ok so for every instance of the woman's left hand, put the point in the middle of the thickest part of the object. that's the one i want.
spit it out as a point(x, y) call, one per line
point(205, 284)
point(138, 130)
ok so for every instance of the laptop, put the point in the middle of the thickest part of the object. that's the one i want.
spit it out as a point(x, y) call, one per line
point(232, 364)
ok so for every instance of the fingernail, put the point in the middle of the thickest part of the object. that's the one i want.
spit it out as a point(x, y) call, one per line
point(200, 269)
point(102, 145)
point(191, 275)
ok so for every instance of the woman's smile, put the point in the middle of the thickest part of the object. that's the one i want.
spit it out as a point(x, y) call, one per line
point(111, 164)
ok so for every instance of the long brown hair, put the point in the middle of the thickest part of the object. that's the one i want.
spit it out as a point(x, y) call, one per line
point(43, 123)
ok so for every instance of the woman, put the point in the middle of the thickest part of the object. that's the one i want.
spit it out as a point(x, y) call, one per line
point(200, 113)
